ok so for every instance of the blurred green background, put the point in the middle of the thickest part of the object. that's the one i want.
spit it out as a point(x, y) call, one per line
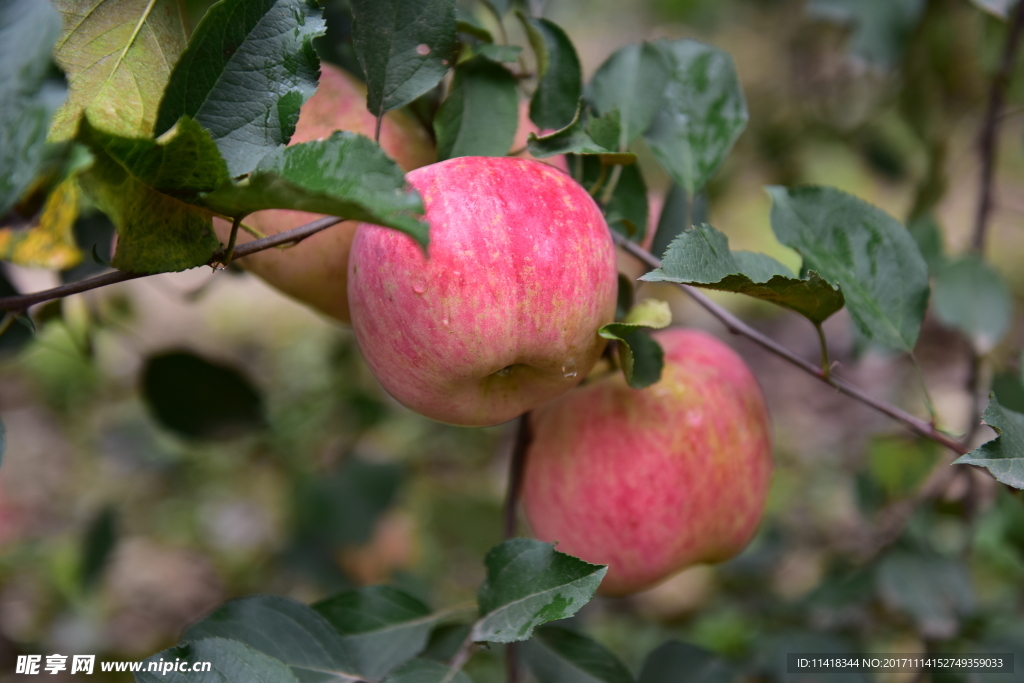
point(123, 519)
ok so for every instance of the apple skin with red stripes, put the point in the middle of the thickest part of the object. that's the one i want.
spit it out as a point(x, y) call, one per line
point(504, 313)
point(656, 480)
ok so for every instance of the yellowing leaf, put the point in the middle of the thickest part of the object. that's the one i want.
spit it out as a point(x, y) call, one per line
point(51, 242)
point(118, 55)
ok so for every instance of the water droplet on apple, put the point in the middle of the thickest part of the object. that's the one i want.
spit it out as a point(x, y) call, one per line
point(569, 369)
point(423, 49)
point(444, 321)
point(505, 371)
point(419, 285)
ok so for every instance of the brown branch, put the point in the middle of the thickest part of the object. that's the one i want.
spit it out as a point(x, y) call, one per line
point(987, 147)
point(736, 326)
point(516, 468)
point(21, 302)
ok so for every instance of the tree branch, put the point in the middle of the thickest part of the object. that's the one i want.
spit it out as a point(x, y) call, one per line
point(516, 468)
point(21, 302)
point(736, 326)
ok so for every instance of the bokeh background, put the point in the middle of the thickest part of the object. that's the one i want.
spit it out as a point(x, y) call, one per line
point(181, 440)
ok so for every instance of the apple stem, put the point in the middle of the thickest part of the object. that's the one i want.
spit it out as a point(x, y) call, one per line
point(376, 133)
point(920, 427)
point(826, 366)
point(517, 465)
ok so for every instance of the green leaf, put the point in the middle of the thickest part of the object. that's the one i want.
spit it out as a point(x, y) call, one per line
point(701, 257)
point(480, 115)
point(529, 583)
point(382, 627)
point(970, 297)
point(29, 94)
point(466, 22)
point(1009, 390)
point(558, 655)
point(862, 249)
point(248, 68)
point(627, 210)
point(230, 662)
point(934, 591)
point(281, 628)
point(678, 214)
point(928, 235)
point(345, 175)
point(560, 83)
point(117, 55)
point(881, 28)
point(144, 187)
point(675, 662)
point(199, 399)
point(702, 116)
point(631, 80)
point(404, 46)
point(641, 356)
point(1003, 456)
point(499, 53)
point(900, 464)
point(426, 671)
point(99, 541)
point(577, 138)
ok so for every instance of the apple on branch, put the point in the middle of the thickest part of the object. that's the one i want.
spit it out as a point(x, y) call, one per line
point(655, 480)
point(315, 270)
point(504, 313)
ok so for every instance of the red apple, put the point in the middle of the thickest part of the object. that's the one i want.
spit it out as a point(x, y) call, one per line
point(653, 481)
point(315, 270)
point(504, 314)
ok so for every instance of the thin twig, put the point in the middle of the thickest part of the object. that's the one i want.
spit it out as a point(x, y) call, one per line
point(22, 302)
point(736, 326)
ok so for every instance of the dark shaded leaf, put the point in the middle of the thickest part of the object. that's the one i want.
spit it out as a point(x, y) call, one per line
point(701, 257)
point(529, 583)
point(500, 53)
point(675, 662)
point(934, 591)
point(881, 28)
point(16, 335)
point(1003, 456)
point(99, 541)
point(480, 115)
point(230, 662)
point(29, 93)
point(558, 655)
point(94, 235)
point(627, 210)
point(404, 46)
point(445, 641)
point(928, 235)
point(624, 299)
point(144, 185)
point(117, 55)
point(630, 80)
point(577, 138)
point(560, 83)
point(1009, 390)
point(341, 509)
point(641, 356)
point(345, 175)
point(466, 23)
point(199, 399)
point(862, 249)
point(774, 650)
point(382, 627)
point(702, 116)
point(972, 298)
point(283, 629)
point(248, 68)
point(426, 671)
point(678, 214)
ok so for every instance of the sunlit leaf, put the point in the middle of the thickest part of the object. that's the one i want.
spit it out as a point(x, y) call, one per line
point(641, 356)
point(50, 241)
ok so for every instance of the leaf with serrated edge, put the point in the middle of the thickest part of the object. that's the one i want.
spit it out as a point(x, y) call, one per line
point(558, 655)
point(281, 628)
point(230, 662)
point(50, 243)
point(345, 175)
point(404, 46)
point(28, 96)
point(381, 627)
point(143, 186)
point(426, 671)
point(1003, 456)
point(528, 584)
point(627, 80)
point(865, 251)
point(117, 55)
point(701, 257)
point(703, 114)
point(480, 115)
point(558, 67)
point(247, 70)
